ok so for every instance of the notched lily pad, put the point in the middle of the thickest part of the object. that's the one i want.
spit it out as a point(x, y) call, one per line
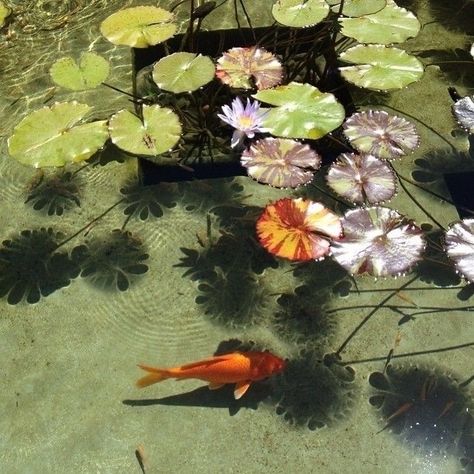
point(54, 136)
point(156, 133)
point(380, 68)
point(183, 72)
point(89, 73)
point(460, 247)
point(240, 67)
point(355, 8)
point(392, 24)
point(378, 241)
point(302, 111)
point(139, 27)
point(281, 162)
point(362, 178)
point(300, 13)
point(463, 110)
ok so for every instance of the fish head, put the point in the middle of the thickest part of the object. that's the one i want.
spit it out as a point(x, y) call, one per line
point(273, 364)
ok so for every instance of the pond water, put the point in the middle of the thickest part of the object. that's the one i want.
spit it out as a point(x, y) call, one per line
point(379, 370)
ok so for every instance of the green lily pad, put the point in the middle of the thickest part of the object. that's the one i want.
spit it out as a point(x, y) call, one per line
point(183, 72)
point(89, 73)
point(356, 8)
point(392, 24)
point(4, 12)
point(53, 136)
point(302, 111)
point(139, 27)
point(159, 131)
point(300, 13)
point(378, 67)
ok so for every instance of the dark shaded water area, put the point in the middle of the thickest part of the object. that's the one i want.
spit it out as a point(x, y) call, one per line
point(379, 375)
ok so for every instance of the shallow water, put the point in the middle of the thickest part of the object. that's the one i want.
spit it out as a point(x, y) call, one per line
point(69, 361)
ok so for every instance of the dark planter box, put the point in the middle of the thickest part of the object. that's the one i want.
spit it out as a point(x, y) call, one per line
point(284, 42)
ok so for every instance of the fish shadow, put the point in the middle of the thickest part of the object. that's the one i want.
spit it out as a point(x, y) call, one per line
point(205, 398)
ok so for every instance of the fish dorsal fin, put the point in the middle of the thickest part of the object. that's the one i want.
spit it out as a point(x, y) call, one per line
point(206, 362)
point(215, 385)
point(240, 389)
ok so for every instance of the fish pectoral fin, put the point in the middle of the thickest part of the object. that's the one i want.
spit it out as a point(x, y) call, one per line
point(215, 385)
point(240, 389)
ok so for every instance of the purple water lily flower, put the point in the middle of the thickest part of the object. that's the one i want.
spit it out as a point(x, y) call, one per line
point(246, 120)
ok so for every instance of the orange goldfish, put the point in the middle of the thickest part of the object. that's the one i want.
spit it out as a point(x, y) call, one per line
point(241, 368)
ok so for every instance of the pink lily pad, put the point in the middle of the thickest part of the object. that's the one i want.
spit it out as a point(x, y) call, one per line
point(362, 178)
point(381, 134)
point(460, 247)
point(281, 162)
point(378, 241)
point(240, 67)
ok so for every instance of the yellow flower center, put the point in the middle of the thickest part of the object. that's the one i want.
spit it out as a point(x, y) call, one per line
point(245, 121)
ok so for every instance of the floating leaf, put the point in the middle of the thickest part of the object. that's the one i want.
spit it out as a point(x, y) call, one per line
point(53, 136)
point(183, 72)
point(378, 241)
point(89, 73)
point(280, 162)
point(356, 8)
point(4, 12)
point(31, 267)
point(362, 178)
point(460, 247)
point(380, 134)
point(139, 27)
point(392, 24)
point(302, 111)
point(159, 131)
point(300, 13)
point(463, 110)
point(239, 67)
point(378, 67)
point(298, 229)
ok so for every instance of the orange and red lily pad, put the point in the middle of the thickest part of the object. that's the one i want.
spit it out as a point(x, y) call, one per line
point(298, 229)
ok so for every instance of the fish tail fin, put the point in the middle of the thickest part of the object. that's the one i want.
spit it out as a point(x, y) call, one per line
point(154, 376)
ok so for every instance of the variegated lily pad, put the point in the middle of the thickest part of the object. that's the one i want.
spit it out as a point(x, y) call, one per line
point(139, 27)
point(362, 178)
point(392, 24)
point(378, 241)
point(55, 136)
point(159, 131)
point(378, 67)
point(356, 8)
point(302, 111)
point(298, 229)
point(460, 247)
point(300, 13)
point(463, 110)
point(380, 134)
point(183, 72)
point(89, 73)
point(281, 162)
point(239, 67)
